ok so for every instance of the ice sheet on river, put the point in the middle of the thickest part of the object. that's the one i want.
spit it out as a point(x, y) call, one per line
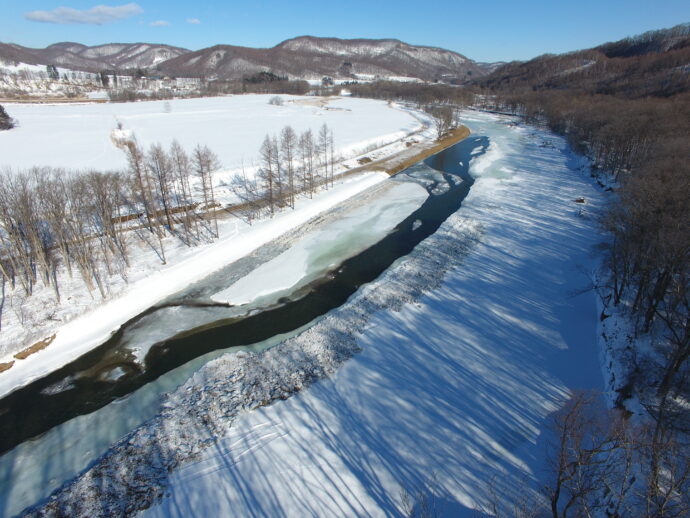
point(318, 252)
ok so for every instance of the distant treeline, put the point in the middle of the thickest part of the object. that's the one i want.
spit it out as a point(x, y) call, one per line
point(652, 64)
point(419, 93)
point(258, 84)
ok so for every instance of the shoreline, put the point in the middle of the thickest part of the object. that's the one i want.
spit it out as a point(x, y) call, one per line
point(243, 381)
point(400, 353)
point(400, 161)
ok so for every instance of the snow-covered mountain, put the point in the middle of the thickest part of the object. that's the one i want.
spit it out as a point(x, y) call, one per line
point(311, 57)
point(305, 57)
point(75, 56)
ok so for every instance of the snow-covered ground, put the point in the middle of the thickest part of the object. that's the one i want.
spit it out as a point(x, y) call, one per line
point(450, 391)
point(79, 136)
point(67, 449)
point(453, 387)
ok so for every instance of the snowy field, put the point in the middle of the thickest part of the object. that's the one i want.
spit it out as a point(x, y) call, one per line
point(450, 390)
point(79, 136)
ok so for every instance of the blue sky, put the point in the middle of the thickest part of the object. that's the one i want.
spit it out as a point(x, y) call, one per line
point(484, 31)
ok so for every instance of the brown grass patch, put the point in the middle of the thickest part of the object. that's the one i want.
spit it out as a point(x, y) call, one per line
point(38, 346)
point(6, 366)
point(452, 138)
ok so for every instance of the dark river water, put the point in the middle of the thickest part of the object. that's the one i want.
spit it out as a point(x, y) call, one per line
point(35, 408)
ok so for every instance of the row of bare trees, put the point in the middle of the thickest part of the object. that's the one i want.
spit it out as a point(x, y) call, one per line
point(51, 218)
point(422, 94)
point(162, 190)
point(290, 164)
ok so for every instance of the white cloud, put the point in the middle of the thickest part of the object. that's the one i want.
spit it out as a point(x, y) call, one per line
point(159, 23)
point(97, 15)
point(193, 21)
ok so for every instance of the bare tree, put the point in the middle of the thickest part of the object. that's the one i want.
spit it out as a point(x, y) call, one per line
point(267, 172)
point(247, 191)
point(141, 182)
point(107, 200)
point(307, 152)
point(181, 166)
point(161, 169)
point(331, 155)
point(288, 142)
point(205, 164)
point(443, 117)
point(591, 460)
point(323, 147)
point(279, 184)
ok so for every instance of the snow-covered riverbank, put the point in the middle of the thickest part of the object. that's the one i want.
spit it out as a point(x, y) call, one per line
point(94, 327)
point(30, 471)
point(467, 346)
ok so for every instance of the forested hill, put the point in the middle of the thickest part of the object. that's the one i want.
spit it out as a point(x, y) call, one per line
point(655, 63)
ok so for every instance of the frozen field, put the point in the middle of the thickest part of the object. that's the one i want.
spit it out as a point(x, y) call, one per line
point(78, 136)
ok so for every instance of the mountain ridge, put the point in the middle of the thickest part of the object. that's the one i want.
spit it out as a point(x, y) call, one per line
point(301, 57)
